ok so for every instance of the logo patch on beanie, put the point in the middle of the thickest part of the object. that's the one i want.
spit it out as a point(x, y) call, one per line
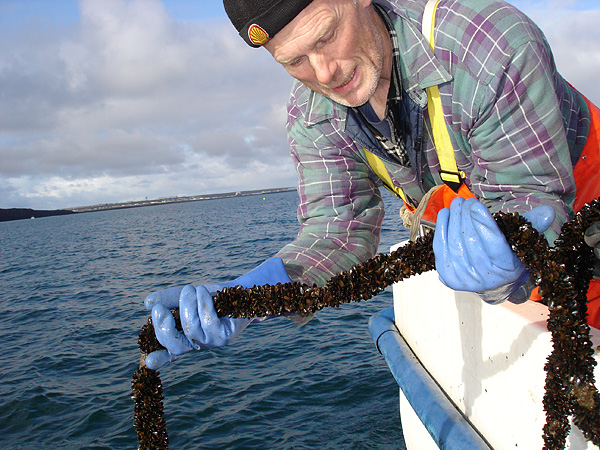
point(257, 35)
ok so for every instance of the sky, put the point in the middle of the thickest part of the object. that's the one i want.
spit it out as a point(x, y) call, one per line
point(106, 101)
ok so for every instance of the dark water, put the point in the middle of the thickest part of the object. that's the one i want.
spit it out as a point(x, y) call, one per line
point(71, 298)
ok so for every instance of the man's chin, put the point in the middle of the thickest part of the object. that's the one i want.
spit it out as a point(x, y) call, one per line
point(350, 104)
point(351, 101)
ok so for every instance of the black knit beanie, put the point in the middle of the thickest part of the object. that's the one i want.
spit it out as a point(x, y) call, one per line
point(257, 21)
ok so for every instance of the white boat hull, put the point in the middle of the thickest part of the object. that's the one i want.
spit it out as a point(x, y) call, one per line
point(487, 359)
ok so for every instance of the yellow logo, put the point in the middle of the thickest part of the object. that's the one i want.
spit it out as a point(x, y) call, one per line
point(257, 35)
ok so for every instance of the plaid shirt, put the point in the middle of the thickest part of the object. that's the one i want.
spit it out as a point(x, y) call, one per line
point(516, 126)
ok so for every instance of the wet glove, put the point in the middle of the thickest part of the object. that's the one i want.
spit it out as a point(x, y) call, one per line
point(592, 238)
point(201, 326)
point(472, 254)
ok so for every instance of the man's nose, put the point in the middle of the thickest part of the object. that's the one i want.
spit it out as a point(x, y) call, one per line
point(324, 68)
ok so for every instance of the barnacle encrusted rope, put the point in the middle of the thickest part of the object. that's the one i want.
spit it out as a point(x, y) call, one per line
point(563, 274)
point(147, 394)
point(570, 384)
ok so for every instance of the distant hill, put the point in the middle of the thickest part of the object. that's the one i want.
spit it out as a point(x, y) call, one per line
point(27, 213)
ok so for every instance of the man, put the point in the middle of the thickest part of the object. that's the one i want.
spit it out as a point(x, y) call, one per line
point(474, 108)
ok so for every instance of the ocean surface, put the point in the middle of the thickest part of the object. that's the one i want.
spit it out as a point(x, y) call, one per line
point(71, 299)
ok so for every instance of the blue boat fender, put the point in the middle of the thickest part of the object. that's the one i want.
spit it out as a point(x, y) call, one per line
point(448, 427)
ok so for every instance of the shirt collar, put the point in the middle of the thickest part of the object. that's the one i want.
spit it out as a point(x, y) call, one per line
point(419, 67)
point(395, 92)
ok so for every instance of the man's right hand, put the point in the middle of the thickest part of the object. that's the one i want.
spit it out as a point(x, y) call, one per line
point(202, 328)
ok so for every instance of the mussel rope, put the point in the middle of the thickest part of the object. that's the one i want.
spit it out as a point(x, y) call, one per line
point(562, 272)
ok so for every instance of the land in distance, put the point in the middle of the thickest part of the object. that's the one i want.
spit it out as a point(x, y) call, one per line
point(27, 213)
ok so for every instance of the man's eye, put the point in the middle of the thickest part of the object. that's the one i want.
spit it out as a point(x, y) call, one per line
point(327, 37)
point(295, 62)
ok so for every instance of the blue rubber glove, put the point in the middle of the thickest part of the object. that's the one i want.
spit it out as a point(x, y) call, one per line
point(592, 238)
point(202, 328)
point(471, 253)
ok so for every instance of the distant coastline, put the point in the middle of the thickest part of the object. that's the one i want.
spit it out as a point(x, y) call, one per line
point(27, 213)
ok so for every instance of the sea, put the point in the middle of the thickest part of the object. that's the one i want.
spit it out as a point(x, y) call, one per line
point(71, 308)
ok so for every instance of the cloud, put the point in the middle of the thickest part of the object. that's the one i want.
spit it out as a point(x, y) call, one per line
point(73, 192)
point(130, 101)
point(127, 103)
point(573, 33)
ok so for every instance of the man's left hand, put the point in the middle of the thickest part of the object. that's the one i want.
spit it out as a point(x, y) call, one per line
point(472, 254)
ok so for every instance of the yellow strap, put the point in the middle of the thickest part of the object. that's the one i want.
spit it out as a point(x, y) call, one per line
point(382, 172)
point(441, 136)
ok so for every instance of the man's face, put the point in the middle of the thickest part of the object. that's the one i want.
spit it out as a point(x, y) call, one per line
point(335, 47)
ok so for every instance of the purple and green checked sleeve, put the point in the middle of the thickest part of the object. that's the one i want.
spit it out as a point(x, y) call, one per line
point(517, 126)
point(340, 209)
